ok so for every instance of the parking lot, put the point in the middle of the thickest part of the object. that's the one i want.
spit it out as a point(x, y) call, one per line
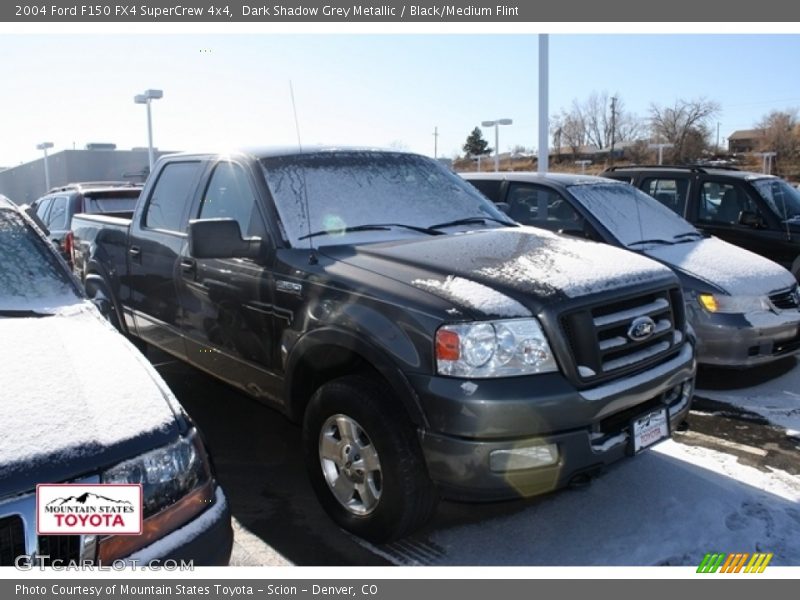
point(730, 483)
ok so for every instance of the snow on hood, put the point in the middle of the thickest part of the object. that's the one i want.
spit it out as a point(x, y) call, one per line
point(575, 267)
point(474, 295)
point(737, 271)
point(71, 387)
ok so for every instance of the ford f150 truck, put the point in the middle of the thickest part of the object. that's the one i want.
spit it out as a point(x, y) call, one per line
point(428, 345)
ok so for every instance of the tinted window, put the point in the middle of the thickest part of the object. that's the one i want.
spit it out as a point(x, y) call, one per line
point(229, 195)
point(723, 203)
point(57, 219)
point(489, 188)
point(31, 277)
point(110, 202)
point(669, 191)
point(168, 200)
point(41, 210)
point(541, 207)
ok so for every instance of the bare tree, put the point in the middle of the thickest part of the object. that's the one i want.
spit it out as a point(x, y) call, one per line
point(569, 129)
point(598, 121)
point(685, 125)
point(781, 135)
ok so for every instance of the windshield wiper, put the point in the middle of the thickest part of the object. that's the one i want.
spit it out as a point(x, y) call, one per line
point(667, 242)
point(22, 313)
point(371, 227)
point(470, 221)
point(681, 236)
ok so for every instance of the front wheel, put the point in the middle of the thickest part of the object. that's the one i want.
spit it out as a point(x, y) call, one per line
point(364, 461)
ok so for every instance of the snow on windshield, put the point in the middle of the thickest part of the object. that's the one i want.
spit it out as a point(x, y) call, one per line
point(735, 270)
point(473, 295)
point(629, 214)
point(782, 198)
point(30, 278)
point(348, 189)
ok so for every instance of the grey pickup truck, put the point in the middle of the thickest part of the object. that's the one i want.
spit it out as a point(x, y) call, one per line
point(428, 345)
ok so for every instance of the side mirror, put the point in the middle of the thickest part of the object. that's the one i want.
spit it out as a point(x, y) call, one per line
point(503, 207)
point(221, 238)
point(750, 219)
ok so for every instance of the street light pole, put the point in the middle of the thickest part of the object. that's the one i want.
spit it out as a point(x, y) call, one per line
point(44, 146)
point(496, 124)
point(146, 98)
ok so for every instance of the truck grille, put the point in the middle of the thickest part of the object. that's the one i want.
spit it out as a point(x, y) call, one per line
point(60, 547)
point(785, 300)
point(12, 540)
point(600, 336)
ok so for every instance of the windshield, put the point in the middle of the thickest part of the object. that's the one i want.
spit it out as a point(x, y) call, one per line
point(31, 277)
point(632, 217)
point(782, 198)
point(347, 190)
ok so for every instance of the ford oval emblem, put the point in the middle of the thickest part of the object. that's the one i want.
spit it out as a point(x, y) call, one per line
point(641, 329)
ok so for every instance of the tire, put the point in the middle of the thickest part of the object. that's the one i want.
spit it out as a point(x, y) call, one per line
point(358, 440)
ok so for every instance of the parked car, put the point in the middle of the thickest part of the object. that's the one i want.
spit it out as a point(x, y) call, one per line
point(758, 212)
point(428, 345)
point(56, 209)
point(744, 308)
point(81, 405)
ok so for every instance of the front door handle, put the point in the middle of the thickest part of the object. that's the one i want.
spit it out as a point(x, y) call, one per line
point(188, 265)
point(135, 253)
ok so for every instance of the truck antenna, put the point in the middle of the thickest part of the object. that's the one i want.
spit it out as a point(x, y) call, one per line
point(312, 257)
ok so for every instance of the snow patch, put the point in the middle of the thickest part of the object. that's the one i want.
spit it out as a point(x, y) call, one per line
point(737, 271)
point(469, 387)
point(473, 295)
point(71, 384)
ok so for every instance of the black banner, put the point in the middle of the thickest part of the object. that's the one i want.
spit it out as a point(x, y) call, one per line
point(340, 11)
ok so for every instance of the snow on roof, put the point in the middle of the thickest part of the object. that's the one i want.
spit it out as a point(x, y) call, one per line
point(70, 383)
point(473, 295)
point(737, 271)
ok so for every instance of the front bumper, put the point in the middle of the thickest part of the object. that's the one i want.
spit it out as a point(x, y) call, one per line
point(207, 540)
point(735, 340)
point(590, 428)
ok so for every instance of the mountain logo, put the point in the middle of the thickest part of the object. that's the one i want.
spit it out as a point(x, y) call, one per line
point(89, 509)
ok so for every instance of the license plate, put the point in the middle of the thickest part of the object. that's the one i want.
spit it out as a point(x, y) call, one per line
point(649, 429)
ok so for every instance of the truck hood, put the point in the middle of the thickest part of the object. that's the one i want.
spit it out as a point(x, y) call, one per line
point(76, 397)
point(734, 270)
point(509, 272)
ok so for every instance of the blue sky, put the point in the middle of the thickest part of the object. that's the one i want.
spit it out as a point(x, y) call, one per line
point(382, 90)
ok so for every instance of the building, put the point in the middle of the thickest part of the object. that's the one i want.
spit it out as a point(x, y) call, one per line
point(98, 162)
point(745, 140)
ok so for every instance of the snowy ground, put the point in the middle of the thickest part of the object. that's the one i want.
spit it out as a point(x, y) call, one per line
point(669, 506)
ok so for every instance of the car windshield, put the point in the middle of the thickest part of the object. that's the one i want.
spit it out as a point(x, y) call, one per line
point(633, 217)
point(360, 197)
point(31, 277)
point(782, 198)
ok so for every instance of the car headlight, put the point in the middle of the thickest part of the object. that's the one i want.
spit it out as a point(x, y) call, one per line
point(505, 348)
point(719, 303)
point(176, 486)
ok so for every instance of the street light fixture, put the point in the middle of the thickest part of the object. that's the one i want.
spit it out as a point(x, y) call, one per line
point(496, 124)
point(145, 99)
point(44, 146)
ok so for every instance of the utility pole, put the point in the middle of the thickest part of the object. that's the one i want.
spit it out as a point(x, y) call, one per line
point(436, 142)
point(613, 126)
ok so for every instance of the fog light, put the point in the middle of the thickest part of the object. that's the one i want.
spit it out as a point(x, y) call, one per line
point(515, 459)
point(709, 302)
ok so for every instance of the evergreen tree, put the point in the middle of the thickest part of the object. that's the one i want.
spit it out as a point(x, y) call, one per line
point(476, 145)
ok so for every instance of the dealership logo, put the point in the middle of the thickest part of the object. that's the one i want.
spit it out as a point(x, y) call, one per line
point(735, 563)
point(641, 329)
point(78, 509)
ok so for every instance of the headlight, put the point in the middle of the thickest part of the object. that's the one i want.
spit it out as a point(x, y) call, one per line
point(719, 303)
point(176, 486)
point(166, 474)
point(485, 349)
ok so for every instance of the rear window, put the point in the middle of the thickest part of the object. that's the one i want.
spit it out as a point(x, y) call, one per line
point(31, 277)
point(117, 202)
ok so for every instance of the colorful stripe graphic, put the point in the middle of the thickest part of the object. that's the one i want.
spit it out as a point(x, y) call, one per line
point(735, 562)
